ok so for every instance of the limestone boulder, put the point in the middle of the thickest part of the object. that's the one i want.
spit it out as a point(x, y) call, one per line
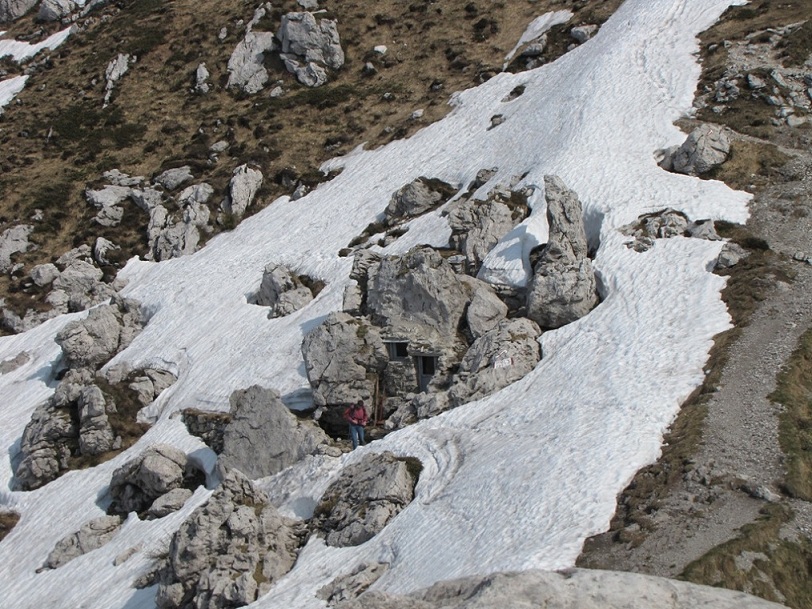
point(282, 291)
point(242, 189)
point(563, 287)
point(246, 66)
point(309, 47)
point(498, 358)
point(342, 355)
point(108, 201)
point(353, 584)
point(582, 588)
point(169, 502)
point(417, 295)
point(229, 551)
point(91, 536)
point(263, 436)
point(208, 426)
point(138, 483)
point(363, 499)
point(114, 72)
point(55, 10)
point(13, 240)
point(476, 227)
point(416, 198)
point(485, 310)
point(11, 10)
point(43, 274)
point(96, 435)
point(706, 147)
point(90, 342)
point(172, 179)
point(44, 447)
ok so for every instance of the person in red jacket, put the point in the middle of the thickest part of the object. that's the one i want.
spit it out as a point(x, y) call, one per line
point(356, 416)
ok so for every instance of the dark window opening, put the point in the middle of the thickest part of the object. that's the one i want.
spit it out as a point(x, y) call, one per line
point(397, 351)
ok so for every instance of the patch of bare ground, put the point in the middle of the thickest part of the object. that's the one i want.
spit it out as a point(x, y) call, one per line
point(8, 520)
point(725, 505)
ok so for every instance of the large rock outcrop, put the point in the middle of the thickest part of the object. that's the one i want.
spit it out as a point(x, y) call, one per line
point(55, 10)
point(579, 588)
point(342, 356)
point(229, 551)
point(309, 47)
point(259, 419)
point(563, 287)
point(417, 296)
point(75, 420)
point(91, 536)
point(364, 498)
point(477, 226)
point(138, 483)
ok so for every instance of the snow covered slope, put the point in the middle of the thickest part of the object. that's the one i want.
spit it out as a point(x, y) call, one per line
point(515, 481)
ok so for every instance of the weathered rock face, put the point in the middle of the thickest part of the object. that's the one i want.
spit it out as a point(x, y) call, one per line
point(229, 551)
point(580, 588)
point(477, 226)
point(416, 198)
point(45, 447)
point(309, 47)
point(563, 287)
point(201, 79)
point(74, 421)
point(264, 437)
point(243, 187)
point(246, 68)
point(13, 240)
point(90, 342)
point(14, 9)
point(342, 357)
point(114, 72)
point(362, 501)
point(485, 310)
point(169, 502)
point(138, 483)
point(282, 291)
point(172, 234)
point(174, 178)
point(498, 358)
point(417, 296)
point(55, 10)
point(92, 536)
point(706, 147)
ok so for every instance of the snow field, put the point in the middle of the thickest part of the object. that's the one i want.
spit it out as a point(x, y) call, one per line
point(514, 481)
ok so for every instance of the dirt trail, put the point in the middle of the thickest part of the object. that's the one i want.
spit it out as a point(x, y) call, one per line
point(739, 464)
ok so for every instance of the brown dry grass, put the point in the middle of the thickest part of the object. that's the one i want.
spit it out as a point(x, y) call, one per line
point(8, 520)
point(794, 393)
point(760, 562)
